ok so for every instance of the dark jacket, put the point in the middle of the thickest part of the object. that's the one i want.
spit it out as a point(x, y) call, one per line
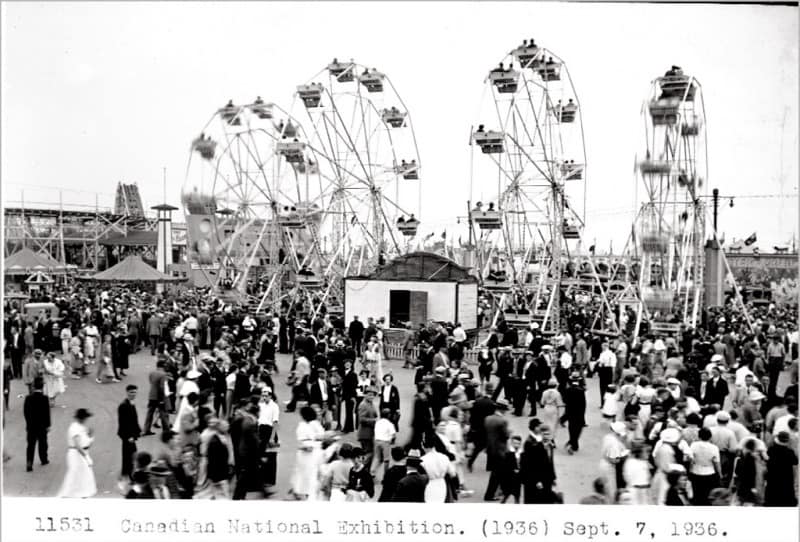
point(497, 434)
point(361, 480)
point(127, 421)
point(349, 385)
point(536, 467)
point(157, 379)
point(391, 479)
point(716, 393)
point(411, 488)
point(37, 412)
point(509, 473)
point(356, 330)
point(394, 399)
point(315, 395)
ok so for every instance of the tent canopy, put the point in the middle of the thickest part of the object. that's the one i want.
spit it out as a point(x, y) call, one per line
point(26, 261)
point(39, 278)
point(133, 269)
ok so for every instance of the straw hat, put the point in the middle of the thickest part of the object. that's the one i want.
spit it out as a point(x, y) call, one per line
point(670, 435)
point(619, 428)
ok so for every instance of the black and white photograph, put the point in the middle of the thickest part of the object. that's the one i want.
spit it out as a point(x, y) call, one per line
point(404, 252)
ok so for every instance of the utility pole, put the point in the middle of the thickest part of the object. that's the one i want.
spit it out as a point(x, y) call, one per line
point(715, 200)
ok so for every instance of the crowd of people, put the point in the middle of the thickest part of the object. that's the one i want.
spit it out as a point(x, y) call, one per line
point(690, 418)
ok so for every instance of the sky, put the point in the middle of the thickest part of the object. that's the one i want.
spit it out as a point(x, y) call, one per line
point(96, 93)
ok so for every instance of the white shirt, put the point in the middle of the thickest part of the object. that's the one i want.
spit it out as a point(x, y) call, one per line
point(741, 374)
point(566, 360)
point(459, 335)
point(323, 389)
point(703, 456)
point(607, 359)
point(190, 323)
point(248, 324)
point(268, 413)
point(230, 381)
point(384, 430)
point(659, 346)
point(387, 394)
point(782, 424)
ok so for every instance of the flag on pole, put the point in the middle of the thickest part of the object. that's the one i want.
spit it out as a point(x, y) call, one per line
point(591, 250)
point(428, 236)
point(750, 240)
point(444, 234)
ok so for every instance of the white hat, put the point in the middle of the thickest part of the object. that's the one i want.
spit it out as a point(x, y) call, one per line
point(194, 373)
point(756, 395)
point(670, 435)
point(717, 357)
point(534, 326)
point(619, 428)
point(673, 380)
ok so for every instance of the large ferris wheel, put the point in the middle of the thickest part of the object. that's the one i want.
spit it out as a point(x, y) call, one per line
point(237, 192)
point(368, 165)
point(301, 201)
point(529, 179)
point(671, 221)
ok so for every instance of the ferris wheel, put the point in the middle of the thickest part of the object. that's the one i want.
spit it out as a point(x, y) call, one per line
point(242, 192)
point(528, 182)
point(368, 168)
point(671, 221)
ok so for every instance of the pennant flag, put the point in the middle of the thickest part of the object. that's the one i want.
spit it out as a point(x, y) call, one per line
point(750, 240)
point(591, 250)
point(428, 236)
point(444, 234)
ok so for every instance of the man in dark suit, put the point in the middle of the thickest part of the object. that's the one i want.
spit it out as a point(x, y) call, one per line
point(481, 409)
point(509, 470)
point(716, 389)
point(156, 398)
point(15, 347)
point(390, 399)
point(128, 429)
point(422, 417)
point(320, 393)
point(411, 488)
point(536, 468)
point(37, 422)
point(356, 333)
point(349, 394)
point(249, 455)
point(497, 433)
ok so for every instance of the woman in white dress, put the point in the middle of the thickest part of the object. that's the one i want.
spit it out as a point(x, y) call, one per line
point(53, 377)
point(437, 466)
point(305, 481)
point(552, 405)
point(79, 481)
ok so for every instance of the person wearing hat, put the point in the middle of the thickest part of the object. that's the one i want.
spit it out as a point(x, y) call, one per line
point(367, 416)
point(390, 399)
point(537, 472)
point(128, 429)
point(33, 368)
point(36, 408)
point(439, 391)
point(411, 487)
point(360, 484)
point(120, 350)
point(79, 480)
point(497, 434)
point(614, 451)
point(751, 411)
point(574, 411)
point(781, 473)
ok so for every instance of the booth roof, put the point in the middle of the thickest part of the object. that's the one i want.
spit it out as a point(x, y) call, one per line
point(422, 266)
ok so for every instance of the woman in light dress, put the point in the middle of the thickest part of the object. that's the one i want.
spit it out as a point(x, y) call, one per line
point(614, 451)
point(552, 405)
point(437, 466)
point(305, 480)
point(53, 377)
point(66, 335)
point(79, 481)
point(76, 355)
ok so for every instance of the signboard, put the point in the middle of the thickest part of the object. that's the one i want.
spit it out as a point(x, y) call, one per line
point(468, 305)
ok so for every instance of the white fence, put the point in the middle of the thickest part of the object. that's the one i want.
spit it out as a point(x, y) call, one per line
point(395, 351)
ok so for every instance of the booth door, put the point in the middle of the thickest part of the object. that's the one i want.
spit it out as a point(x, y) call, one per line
point(418, 308)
